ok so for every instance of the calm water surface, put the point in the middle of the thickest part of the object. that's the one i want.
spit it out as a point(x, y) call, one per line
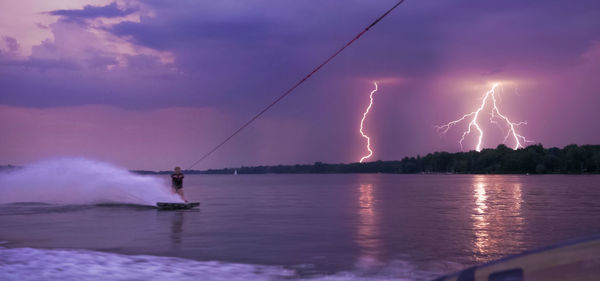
point(408, 226)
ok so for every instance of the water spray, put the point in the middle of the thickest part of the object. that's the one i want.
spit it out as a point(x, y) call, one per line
point(80, 181)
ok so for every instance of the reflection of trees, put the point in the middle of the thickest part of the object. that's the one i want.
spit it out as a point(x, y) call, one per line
point(502, 159)
point(496, 216)
point(367, 236)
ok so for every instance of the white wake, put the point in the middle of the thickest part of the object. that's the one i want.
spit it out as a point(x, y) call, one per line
point(81, 181)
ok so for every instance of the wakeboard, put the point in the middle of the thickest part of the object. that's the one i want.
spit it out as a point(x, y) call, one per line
point(176, 206)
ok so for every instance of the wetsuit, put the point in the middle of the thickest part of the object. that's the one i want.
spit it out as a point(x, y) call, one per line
point(177, 181)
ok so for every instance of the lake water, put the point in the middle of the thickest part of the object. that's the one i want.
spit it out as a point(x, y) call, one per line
point(317, 227)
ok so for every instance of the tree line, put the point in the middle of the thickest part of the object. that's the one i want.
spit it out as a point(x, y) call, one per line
point(533, 159)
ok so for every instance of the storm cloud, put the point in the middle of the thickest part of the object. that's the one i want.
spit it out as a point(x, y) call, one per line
point(90, 12)
point(234, 58)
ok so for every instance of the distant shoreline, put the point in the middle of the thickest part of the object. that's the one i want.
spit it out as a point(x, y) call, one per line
point(201, 172)
point(534, 159)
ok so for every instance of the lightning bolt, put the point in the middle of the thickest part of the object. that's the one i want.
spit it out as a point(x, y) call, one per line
point(362, 121)
point(495, 114)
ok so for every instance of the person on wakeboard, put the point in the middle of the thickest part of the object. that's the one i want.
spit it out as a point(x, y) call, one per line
point(177, 182)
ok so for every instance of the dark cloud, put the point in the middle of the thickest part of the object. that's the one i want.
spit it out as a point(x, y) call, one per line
point(169, 35)
point(238, 57)
point(90, 12)
point(414, 40)
point(266, 46)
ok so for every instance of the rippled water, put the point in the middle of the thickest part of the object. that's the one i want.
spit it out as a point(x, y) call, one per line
point(336, 227)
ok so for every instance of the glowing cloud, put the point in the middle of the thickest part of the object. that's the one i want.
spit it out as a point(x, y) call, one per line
point(362, 121)
point(495, 114)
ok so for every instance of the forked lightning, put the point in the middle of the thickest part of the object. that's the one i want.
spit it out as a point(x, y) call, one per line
point(473, 117)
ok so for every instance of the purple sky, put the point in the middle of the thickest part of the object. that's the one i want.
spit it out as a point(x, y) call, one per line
point(154, 84)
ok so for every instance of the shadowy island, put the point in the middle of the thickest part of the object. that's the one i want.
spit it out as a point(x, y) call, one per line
point(534, 159)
